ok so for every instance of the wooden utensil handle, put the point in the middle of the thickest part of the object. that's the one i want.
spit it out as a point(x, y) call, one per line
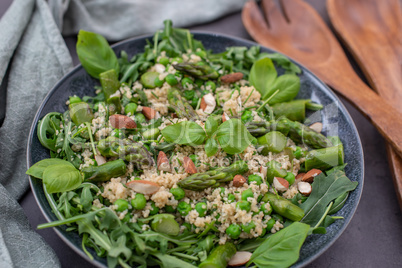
point(384, 117)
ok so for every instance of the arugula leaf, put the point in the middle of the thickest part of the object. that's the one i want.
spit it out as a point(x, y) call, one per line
point(186, 132)
point(233, 136)
point(211, 147)
point(61, 177)
point(324, 190)
point(288, 85)
point(262, 76)
point(172, 262)
point(95, 54)
point(339, 203)
point(282, 248)
point(37, 169)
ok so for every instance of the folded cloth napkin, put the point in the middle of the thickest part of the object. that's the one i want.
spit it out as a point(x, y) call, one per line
point(35, 57)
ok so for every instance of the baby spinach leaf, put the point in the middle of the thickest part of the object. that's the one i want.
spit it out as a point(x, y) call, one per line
point(262, 76)
point(211, 147)
point(37, 169)
point(211, 125)
point(282, 61)
point(233, 136)
point(186, 132)
point(282, 248)
point(324, 190)
point(95, 54)
point(288, 85)
point(61, 178)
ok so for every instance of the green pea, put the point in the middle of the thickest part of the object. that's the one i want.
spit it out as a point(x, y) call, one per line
point(264, 209)
point(158, 82)
point(164, 61)
point(298, 153)
point(178, 193)
point(270, 224)
point(130, 108)
point(290, 178)
point(264, 231)
point(121, 204)
point(177, 59)
point(170, 209)
point(246, 194)
point(233, 231)
point(171, 80)
point(186, 81)
point(201, 53)
point(210, 84)
point(248, 227)
point(139, 118)
point(201, 208)
point(151, 134)
point(148, 79)
point(255, 178)
point(231, 198)
point(274, 169)
point(139, 201)
point(246, 116)
point(74, 99)
point(243, 205)
point(154, 209)
point(188, 94)
point(183, 208)
point(118, 133)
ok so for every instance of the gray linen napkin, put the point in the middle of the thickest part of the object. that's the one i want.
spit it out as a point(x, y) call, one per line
point(33, 50)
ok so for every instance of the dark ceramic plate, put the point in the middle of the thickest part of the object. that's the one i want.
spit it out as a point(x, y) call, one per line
point(334, 116)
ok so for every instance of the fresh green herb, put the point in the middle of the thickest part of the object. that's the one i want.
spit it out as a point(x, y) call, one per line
point(233, 136)
point(38, 168)
point(211, 147)
point(61, 177)
point(186, 132)
point(95, 54)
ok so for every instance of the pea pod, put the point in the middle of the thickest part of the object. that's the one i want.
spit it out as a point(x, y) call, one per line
point(104, 172)
point(80, 112)
point(219, 256)
point(284, 207)
point(110, 82)
point(148, 79)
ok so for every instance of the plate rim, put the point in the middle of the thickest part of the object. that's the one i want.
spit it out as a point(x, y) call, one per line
point(78, 67)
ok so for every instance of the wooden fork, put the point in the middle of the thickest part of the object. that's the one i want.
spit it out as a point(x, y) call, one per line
point(302, 34)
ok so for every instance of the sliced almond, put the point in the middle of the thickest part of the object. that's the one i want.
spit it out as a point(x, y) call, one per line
point(317, 127)
point(143, 187)
point(231, 78)
point(100, 159)
point(163, 162)
point(189, 165)
point(309, 176)
point(263, 171)
point(208, 103)
point(149, 113)
point(225, 117)
point(239, 180)
point(122, 121)
point(304, 188)
point(240, 258)
point(281, 184)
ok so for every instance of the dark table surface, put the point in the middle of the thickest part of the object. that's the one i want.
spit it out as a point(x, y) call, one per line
point(373, 237)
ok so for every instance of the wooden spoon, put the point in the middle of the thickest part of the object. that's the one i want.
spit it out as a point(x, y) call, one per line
point(372, 31)
point(304, 36)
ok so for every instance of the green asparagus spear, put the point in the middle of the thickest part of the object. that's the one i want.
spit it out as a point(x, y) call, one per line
point(110, 82)
point(220, 256)
point(213, 178)
point(126, 149)
point(180, 105)
point(104, 172)
point(325, 158)
point(199, 70)
point(284, 207)
point(295, 130)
